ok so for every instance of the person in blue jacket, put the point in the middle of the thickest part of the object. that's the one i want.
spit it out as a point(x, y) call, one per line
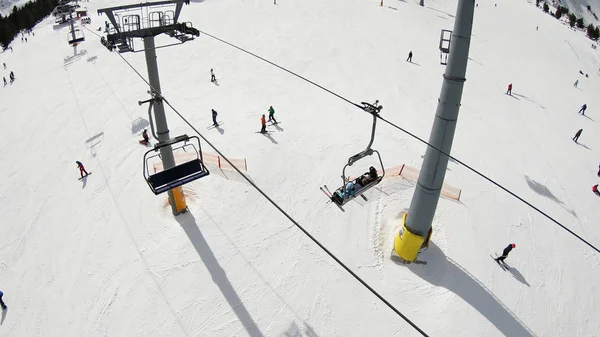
point(1, 301)
point(582, 110)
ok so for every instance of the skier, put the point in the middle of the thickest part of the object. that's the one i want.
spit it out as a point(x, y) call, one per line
point(81, 168)
point(582, 110)
point(263, 129)
point(505, 252)
point(595, 189)
point(146, 138)
point(12, 77)
point(212, 76)
point(598, 170)
point(577, 135)
point(4, 78)
point(1, 301)
point(409, 59)
point(271, 115)
point(214, 116)
point(509, 91)
point(4, 65)
point(576, 83)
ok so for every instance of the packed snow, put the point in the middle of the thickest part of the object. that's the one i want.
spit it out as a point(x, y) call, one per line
point(104, 256)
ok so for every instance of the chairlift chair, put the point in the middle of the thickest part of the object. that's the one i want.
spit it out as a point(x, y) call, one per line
point(178, 175)
point(341, 195)
point(75, 36)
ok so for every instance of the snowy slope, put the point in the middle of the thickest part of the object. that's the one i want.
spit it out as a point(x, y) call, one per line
point(6, 6)
point(105, 257)
point(579, 7)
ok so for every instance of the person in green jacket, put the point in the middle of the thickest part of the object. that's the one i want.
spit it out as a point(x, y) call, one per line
point(271, 115)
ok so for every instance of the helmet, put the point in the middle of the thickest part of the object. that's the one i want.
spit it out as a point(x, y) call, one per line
point(514, 245)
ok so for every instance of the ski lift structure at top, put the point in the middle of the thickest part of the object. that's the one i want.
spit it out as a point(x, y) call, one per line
point(445, 39)
point(168, 179)
point(145, 20)
point(357, 187)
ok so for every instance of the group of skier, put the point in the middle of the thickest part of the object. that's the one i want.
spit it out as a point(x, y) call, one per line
point(263, 120)
point(11, 76)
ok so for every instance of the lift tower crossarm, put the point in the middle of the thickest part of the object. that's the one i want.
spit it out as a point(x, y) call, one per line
point(111, 17)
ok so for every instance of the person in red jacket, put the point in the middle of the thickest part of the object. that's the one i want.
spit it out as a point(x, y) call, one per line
point(509, 91)
point(595, 189)
point(263, 121)
point(81, 168)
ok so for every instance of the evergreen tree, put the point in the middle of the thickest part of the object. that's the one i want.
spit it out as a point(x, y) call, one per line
point(572, 19)
point(546, 8)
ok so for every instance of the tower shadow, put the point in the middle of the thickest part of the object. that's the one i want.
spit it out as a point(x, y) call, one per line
point(188, 223)
point(442, 271)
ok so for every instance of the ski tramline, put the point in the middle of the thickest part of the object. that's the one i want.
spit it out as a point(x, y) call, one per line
point(351, 189)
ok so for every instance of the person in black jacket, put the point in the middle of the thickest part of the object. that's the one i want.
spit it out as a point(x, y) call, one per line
point(505, 252)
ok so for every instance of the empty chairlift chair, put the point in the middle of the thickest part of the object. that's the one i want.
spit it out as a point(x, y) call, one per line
point(75, 36)
point(178, 175)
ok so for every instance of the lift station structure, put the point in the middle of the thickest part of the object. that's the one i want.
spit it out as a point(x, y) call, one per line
point(145, 21)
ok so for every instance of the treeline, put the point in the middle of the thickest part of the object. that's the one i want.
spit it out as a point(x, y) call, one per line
point(592, 32)
point(23, 18)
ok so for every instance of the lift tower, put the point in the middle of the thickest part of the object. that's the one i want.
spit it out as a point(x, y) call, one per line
point(147, 20)
point(416, 227)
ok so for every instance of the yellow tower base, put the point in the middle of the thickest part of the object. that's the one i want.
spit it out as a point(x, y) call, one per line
point(407, 244)
point(179, 199)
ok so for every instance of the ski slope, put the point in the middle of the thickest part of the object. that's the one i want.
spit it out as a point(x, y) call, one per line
point(6, 6)
point(105, 257)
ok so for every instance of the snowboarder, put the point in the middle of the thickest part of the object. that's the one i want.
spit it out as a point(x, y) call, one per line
point(214, 117)
point(409, 59)
point(212, 76)
point(505, 252)
point(271, 115)
point(146, 138)
point(509, 91)
point(576, 83)
point(582, 110)
point(263, 129)
point(595, 189)
point(81, 169)
point(577, 135)
point(1, 301)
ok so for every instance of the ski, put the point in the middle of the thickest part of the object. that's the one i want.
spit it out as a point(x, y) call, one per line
point(326, 193)
point(85, 175)
point(273, 123)
point(212, 126)
point(365, 198)
point(498, 262)
point(264, 132)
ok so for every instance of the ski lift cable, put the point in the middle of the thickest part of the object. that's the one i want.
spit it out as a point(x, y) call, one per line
point(419, 139)
point(358, 278)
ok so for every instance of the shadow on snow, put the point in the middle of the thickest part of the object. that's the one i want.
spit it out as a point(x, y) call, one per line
point(188, 223)
point(444, 272)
